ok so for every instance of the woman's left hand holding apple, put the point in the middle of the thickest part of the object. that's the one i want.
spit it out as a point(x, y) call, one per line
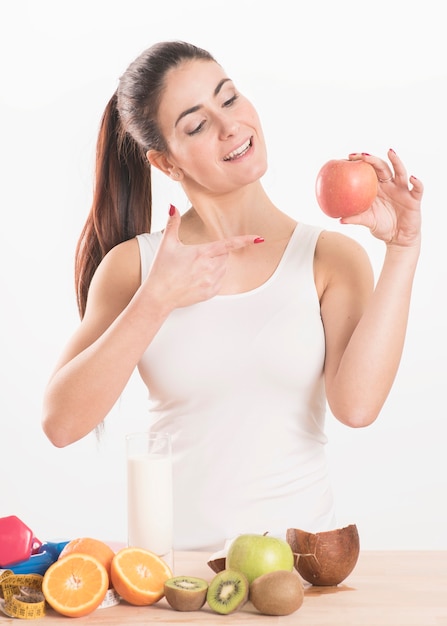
point(371, 357)
point(394, 215)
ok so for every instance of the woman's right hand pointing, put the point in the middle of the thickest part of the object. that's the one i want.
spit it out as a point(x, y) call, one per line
point(181, 274)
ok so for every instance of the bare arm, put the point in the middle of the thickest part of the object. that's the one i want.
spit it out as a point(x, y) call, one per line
point(102, 354)
point(365, 328)
point(121, 319)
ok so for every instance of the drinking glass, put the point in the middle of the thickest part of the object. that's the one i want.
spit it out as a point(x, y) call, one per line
point(149, 493)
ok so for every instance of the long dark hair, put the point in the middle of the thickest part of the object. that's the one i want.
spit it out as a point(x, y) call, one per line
point(122, 199)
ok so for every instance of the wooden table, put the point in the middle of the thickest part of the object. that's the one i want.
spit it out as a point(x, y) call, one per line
point(385, 589)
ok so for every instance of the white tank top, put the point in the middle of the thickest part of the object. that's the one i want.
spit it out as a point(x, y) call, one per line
point(238, 383)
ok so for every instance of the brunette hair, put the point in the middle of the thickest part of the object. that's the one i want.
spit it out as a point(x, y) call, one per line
point(122, 199)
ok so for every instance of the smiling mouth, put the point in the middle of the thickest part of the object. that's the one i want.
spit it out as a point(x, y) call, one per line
point(236, 154)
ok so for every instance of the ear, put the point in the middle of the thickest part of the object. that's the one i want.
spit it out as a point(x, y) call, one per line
point(161, 161)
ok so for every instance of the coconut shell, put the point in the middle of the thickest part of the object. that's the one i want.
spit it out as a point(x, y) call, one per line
point(325, 558)
point(217, 564)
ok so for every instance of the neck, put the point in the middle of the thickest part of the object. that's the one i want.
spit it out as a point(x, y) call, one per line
point(245, 211)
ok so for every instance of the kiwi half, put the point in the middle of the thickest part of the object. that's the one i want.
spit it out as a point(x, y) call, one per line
point(186, 593)
point(227, 592)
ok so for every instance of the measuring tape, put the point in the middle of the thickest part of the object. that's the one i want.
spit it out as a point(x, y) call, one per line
point(22, 595)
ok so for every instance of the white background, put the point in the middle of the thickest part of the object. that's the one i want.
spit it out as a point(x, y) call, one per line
point(328, 78)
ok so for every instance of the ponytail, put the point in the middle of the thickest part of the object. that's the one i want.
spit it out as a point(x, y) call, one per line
point(122, 201)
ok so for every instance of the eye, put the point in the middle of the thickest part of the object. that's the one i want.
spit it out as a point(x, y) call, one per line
point(230, 101)
point(196, 130)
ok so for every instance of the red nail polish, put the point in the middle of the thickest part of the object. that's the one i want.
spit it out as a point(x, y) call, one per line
point(171, 210)
point(393, 151)
point(258, 240)
point(366, 154)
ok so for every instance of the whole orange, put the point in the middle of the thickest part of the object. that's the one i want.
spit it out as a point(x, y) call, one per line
point(93, 547)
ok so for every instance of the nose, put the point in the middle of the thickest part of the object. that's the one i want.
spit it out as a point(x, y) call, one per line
point(228, 126)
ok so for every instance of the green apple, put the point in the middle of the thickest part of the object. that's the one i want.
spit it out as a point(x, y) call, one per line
point(255, 555)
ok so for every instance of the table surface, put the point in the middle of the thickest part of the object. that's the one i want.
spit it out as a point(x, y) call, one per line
point(386, 588)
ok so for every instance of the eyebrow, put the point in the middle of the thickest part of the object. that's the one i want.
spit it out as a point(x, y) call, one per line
point(193, 109)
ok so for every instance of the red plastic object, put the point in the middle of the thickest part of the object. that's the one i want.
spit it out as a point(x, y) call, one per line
point(17, 541)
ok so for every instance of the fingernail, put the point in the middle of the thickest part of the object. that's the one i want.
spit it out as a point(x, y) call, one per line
point(171, 210)
point(393, 151)
point(258, 240)
point(365, 154)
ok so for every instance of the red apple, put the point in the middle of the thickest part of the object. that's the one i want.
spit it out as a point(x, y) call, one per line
point(345, 187)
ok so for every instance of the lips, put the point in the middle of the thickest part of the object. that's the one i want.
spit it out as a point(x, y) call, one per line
point(238, 152)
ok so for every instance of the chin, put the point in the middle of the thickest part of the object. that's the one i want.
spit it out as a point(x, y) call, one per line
point(259, 172)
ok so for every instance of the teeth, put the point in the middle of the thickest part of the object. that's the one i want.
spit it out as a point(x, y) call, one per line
point(238, 151)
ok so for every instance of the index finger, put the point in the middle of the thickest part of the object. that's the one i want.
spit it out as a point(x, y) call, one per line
point(223, 246)
point(383, 170)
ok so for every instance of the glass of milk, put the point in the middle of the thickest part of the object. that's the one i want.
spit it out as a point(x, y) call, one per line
point(149, 493)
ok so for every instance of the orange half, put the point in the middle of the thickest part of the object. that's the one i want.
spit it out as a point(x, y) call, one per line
point(139, 575)
point(75, 585)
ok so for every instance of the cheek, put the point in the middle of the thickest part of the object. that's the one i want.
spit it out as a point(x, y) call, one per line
point(257, 124)
point(251, 115)
point(198, 165)
point(198, 156)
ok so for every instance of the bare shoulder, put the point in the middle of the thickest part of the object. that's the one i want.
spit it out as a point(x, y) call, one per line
point(339, 257)
point(123, 258)
point(117, 278)
point(337, 244)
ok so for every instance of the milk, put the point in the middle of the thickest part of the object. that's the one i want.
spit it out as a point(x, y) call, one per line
point(149, 483)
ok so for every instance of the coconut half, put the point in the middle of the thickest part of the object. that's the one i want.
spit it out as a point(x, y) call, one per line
point(325, 558)
point(217, 561)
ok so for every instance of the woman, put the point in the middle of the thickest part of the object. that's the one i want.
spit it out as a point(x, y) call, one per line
point(243, 323)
